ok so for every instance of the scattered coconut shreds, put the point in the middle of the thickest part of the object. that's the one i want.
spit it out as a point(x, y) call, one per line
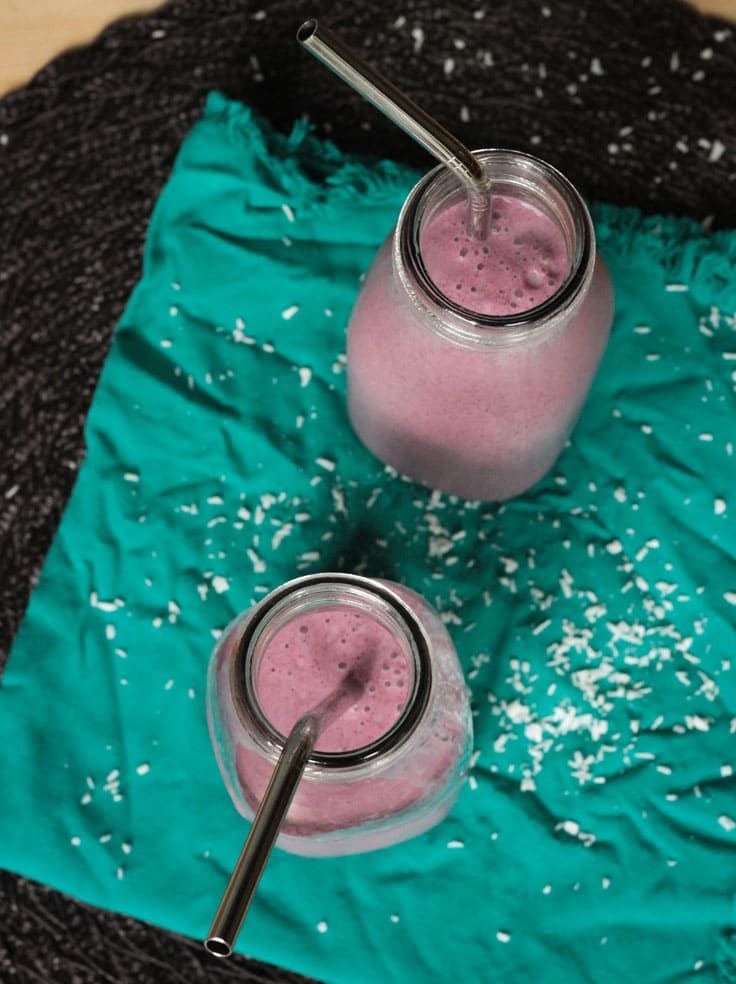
point(220, 584)
point(588, 647)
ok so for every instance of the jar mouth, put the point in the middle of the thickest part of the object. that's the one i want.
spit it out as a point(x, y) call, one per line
point(509, 171)
point(294, 596)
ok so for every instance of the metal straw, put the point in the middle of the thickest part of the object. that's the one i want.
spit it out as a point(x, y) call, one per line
point(272, 813)
point(266, 826)
point(330, 49)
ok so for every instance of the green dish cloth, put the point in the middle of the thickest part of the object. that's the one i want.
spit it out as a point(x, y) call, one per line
point(595, 839)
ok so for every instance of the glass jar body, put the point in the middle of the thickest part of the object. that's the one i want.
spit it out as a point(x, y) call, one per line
point(475, 406)
point(340, 809)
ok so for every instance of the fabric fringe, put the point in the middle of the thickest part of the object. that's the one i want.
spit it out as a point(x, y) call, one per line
point(705, 262)
point(315, 174)
point(312, 171)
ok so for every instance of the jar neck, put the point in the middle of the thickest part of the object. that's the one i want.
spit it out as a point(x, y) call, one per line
point(309, 594)
point(516, 175)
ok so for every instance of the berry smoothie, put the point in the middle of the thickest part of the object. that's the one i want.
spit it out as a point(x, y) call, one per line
point(302, 662)
point(331, 653)
point(480, 410)
point(522, 263)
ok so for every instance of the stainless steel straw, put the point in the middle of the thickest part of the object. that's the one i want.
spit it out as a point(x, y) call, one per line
point(266, 826)
point(330, 49)
point(272, 812)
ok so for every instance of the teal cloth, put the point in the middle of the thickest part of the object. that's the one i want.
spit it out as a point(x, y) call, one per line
point(595, 839)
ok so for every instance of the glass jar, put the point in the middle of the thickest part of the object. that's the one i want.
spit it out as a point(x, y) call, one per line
point(479, 405)
point(391, 766)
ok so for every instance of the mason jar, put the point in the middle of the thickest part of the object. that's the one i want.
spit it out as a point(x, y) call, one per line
point(475, 393)
point(391, 764)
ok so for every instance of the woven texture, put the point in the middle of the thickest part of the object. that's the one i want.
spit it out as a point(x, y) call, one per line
point(221, 462)
point(86, 148)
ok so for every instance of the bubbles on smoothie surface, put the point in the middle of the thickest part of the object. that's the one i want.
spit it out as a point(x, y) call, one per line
point(522, 263)
point(315, 654)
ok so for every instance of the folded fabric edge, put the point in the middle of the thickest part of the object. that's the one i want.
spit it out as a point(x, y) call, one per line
point(693, 259)
point(322, 175)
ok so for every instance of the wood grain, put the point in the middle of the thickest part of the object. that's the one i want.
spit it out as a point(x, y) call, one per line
point(32, 32)
point(716, 8)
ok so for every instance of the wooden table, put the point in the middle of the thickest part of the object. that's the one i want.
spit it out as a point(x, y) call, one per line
point(32, 32)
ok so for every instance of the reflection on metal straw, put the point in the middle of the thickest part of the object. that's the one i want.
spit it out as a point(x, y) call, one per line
point(266, 826)
point(333, 52)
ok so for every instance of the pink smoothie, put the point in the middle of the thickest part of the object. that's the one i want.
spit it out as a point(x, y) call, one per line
point(521, 264)
point(482, 418)
point(389, 797)
point(327, 652)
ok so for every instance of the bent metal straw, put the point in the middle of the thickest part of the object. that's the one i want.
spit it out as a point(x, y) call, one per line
point(332, 51)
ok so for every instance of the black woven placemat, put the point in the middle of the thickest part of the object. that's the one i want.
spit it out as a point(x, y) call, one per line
point(632, 99)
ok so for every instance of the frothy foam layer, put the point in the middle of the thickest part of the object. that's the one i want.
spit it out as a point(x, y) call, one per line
point(522, 262)
point(327, 650)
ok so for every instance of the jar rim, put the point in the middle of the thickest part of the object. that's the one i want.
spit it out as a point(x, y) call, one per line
point(243, 690)
point(407, 250)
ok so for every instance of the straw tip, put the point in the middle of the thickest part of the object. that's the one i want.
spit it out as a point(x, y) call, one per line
point(217, 946)
point(306, 31)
